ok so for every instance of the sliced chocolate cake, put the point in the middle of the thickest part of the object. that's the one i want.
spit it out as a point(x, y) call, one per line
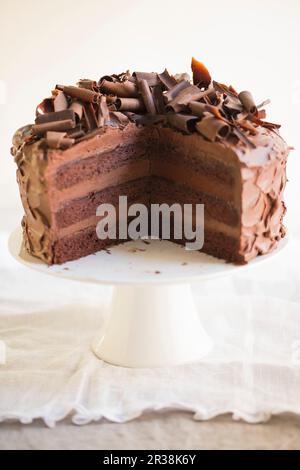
point(155, 138)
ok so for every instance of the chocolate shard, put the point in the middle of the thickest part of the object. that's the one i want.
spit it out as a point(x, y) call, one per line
point(158, 98)
point(77, 107)
point(147, 96)
point(60, 102)
point(212, 128)
point(183, 122)
point(201, 75)
point(167, 80)
point(40, 129)
point(46, 106)
point(56, 116)
point(125, 89)
point(150, 77)
point(103, 112)
point(57, 140)
point(175, 90)
point(108, 78)
point(82, 94)
point(130, 104)
point(248, 102)
point(188, 94)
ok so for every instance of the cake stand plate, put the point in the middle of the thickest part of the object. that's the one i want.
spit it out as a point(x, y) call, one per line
point(153, 320)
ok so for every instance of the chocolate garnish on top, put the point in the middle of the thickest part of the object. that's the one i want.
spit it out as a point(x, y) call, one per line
point(210, 108)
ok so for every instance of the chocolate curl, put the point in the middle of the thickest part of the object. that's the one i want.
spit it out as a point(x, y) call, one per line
point(190, 93)
point(150, 77)
point(147, 96)
point(82, 94)
point(40, 129)
point(183, 122)
point(212, 128)
point(103, 112)
point(130, 104)
point(175, 90)
point(197, 108)
point(90, 116)
point(248, 102)
point(225, 89)
point(76, 132)
point(232, 105)
point(88, 84)
point(77, 107)
point(167, 80)
point(125, 89)
point(46, 106)
point(158, 98)
point(201, 75)
point(60, 101)
point(56, 116)
point(118, 119)
point(57, 140)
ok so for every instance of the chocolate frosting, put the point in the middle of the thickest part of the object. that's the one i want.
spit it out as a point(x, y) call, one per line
point(221, 118)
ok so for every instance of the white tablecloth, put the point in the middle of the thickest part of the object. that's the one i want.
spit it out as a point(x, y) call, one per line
point(48, 371)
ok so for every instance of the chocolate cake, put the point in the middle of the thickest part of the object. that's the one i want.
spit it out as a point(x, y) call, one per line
point(155, 138)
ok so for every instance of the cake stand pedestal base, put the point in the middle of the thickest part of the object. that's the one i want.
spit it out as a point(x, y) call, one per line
point(152, 325)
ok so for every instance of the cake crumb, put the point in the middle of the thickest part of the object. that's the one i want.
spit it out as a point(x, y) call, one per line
point(107, 251)
point(135, 250)
point(66, 269)
point(147, 242)
point(184, 263)
point(157, 272)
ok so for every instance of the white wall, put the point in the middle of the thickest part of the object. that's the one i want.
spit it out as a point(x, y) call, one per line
point(250, 44)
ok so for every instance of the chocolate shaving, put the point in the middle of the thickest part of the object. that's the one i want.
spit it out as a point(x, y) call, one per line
point(213, 128)
point(77, 107)
point(60, 101)
point(158, 98)
point(232, 105)
point(150, 77)
point(57, 140)
point(191, 93)
point(56, 116)
point(183, 122)
point(224, 89)
point(241, 136)
point(76, 133)
point(130, 104)
point(90, 116)
point(103, 112)
point(82, 94)
point(147, 96)
point(40, 129)
point(125, 89)
point(88, 84)
point(118, 119)
point(167, 80)
point(46, 106)
point(182, 76)
point(201, 75)
point(175, 90)
point(248, 102)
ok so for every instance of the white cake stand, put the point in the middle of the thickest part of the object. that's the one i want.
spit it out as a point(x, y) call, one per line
point(153, 319)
